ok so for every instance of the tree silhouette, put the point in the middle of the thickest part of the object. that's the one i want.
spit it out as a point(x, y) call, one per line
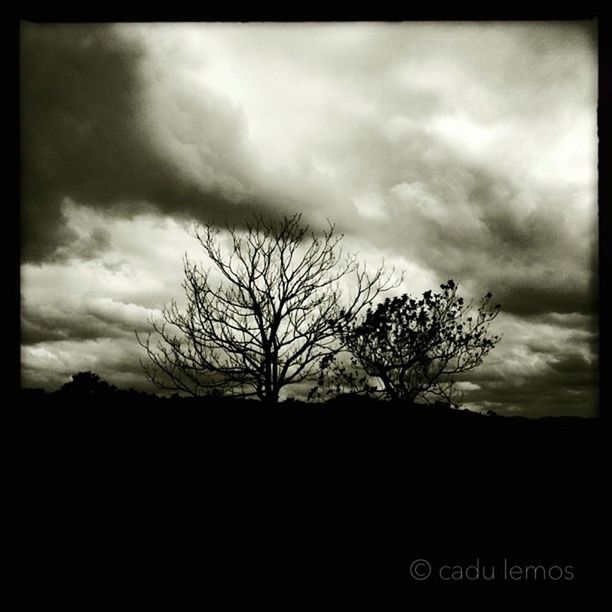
point(414, 348)
point(87, 384)
point(269, 318)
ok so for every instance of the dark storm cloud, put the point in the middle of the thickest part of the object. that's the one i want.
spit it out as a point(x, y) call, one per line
point(86, 135)
point(44, 327)
point(537, 296)
point(541, 396)
point(77, 87)
point(100, 318)
point(544, 365)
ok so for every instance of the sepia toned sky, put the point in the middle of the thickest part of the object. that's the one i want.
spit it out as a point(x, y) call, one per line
point(452, 150)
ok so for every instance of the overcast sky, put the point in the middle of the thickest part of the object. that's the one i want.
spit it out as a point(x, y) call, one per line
point(453, 150)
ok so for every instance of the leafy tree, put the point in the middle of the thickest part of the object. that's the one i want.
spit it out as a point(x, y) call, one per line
point(413, 348)
point(267, 320)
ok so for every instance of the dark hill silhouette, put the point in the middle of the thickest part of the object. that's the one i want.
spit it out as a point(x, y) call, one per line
point(352, 486)
point(348, 423)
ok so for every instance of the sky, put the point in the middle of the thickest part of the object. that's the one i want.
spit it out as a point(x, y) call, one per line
point(462, 150)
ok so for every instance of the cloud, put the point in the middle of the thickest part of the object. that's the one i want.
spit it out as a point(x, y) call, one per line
point(544, 365)
point(533, 245)
point(51, 364)
point(90, 319)
point(141, 264)
point(107, 122)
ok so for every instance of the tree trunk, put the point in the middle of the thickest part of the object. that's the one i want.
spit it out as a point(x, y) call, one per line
point(272, 397)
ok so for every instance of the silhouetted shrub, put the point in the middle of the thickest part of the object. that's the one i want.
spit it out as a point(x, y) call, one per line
point(86, 384)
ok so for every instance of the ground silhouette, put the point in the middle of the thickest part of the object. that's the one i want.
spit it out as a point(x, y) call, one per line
point(353, 488)
point(346, 423)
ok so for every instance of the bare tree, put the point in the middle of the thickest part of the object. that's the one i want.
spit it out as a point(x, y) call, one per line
point(413, 348)
point(269, 318)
